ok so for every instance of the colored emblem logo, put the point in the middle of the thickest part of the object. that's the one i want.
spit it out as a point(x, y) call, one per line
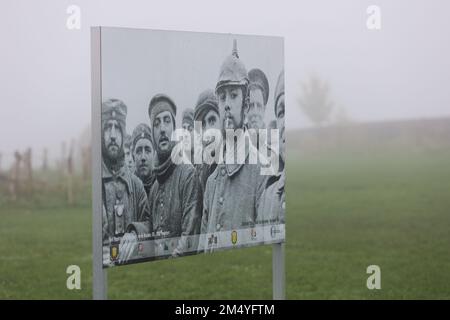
point(114, 251)
point(234, 237)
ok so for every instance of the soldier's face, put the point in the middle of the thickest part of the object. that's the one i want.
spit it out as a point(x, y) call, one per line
point(112, 138)
point(162, 131)
point(256, 109)
point(189, 128)
point(129, 162)
point(210, 121)
point(280, 126)
point(230, 107)
point(144, 157)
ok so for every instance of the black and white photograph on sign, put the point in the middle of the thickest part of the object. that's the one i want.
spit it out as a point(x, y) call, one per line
point(192, 143)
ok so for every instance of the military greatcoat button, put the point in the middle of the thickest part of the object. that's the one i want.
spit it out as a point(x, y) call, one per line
point(218, 226)
point(222, 171)
point(221, 200)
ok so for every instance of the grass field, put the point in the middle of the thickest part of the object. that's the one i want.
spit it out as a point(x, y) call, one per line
point(344, 212)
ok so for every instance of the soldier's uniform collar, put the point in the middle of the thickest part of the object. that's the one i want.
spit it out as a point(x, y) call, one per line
point(123, 174)
point(164, 170)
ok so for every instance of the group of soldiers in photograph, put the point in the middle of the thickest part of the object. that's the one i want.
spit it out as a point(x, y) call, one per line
point(147, 196)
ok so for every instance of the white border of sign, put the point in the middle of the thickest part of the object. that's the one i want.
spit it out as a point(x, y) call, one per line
point(99, 276)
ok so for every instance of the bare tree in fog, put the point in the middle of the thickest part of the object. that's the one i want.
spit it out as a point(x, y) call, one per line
point(315, 101)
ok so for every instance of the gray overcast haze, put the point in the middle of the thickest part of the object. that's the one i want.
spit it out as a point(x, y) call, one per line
point(401, 71)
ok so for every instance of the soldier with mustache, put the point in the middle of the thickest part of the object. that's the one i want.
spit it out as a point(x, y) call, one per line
point(125, 203)
point(232, 190)
point(173, 197)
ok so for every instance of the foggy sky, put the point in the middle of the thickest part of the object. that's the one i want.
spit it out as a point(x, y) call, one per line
point(138, 64)
point(400, 71)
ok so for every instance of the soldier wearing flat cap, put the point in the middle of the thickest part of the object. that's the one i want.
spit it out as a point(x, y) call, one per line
point(173, 196)
point(187, 123)
point(124, 198)
point(258, 95)
point(207, 112)
point(233, 189)
point(271, 209)
point(144, 155)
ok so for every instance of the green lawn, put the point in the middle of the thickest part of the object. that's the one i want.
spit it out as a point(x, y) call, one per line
point(344, 212)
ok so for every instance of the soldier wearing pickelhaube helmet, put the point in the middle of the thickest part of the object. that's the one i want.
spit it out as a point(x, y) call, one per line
point(232, 190)
point(231, 91)
point(124, 199)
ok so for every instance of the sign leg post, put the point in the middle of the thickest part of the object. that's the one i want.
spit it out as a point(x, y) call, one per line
point(99, 280)
point(99, 283)
point(278, 272)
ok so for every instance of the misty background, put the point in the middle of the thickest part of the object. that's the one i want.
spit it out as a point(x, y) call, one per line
point(368, 119)
point(401, 71)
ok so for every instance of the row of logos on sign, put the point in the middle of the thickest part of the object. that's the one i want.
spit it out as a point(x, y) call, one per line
point(210, 241)
point(274, 231)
